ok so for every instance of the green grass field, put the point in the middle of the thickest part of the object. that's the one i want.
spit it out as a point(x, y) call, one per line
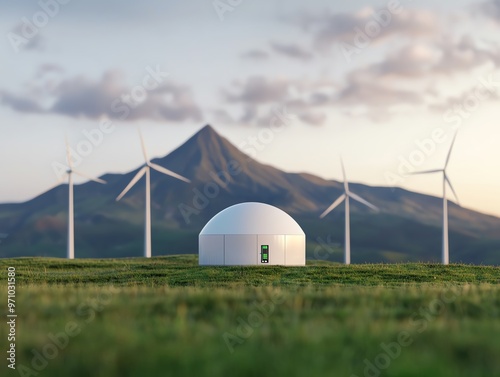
point(169, 317)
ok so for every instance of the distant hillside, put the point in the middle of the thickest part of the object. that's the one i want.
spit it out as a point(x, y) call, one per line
point(407, 229)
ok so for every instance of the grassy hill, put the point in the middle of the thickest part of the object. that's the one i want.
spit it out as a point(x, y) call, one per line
point(169, 316)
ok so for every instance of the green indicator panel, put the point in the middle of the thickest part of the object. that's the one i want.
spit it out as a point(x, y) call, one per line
point(264, 253)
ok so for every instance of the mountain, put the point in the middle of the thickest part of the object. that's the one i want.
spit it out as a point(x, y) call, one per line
point(408, 228)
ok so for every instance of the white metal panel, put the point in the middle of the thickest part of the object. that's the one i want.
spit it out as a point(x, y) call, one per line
point(295, 250)
point(276, 248)
point(252, 218)
point(240, 249)
point(211, 250)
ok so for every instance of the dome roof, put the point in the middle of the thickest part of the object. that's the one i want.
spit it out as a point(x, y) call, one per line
point(252, 218)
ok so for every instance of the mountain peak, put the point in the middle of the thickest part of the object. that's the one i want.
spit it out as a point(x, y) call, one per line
point(202, 153)
point(207, 133)
point(208, 140)
point(207, 129)
point(207, 136)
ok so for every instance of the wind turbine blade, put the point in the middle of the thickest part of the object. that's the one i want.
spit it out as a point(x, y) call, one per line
point(138, 176)
point(346, 184)
point(339, 200)
point(98, 180)
point(143, 145)
point(449, 152)
point(426, 172)
point(60, 181)
point(68, 154)
point(165, 171)
point(363, 201)
point(452, 189)
point(343, 169)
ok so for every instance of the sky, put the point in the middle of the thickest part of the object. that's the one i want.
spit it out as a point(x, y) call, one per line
point(384, 84)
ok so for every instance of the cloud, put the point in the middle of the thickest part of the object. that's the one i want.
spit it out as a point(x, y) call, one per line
point(257, 95)
point(374, 93)
point(430, 59)
point(221, 116)
point(398, 79)
point(291, 50)
point(313, 118)
point(412, 60)
point(379, 89)
point(319, 99)
point(19, 41)
point(470, 98)
point(330, 28)
point(47, 68)
point(170, 101)
point(464, 55)
point(258, 89)
point(82, 97)
point(490, 9)
point(250, 114)
point(255, 55)
point(306, 99)
point(20, 104)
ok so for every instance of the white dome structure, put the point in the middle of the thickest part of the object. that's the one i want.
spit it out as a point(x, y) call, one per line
point(252, 234)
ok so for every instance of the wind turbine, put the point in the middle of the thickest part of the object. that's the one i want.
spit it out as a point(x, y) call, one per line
point(446, 251)
point(71, 225)
point(146, 169)
point(345, 196)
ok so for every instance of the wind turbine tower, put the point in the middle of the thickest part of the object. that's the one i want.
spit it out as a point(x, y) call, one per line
point(71, 217)
point(446, 180)
point(345, 197)
point(146, 170)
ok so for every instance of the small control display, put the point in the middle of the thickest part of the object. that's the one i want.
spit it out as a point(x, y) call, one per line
point(264, 253)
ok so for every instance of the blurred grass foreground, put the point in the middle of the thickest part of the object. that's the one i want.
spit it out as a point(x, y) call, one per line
point(170, 317)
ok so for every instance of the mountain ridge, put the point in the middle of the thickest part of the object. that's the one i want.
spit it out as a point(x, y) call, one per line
point(224, 175)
